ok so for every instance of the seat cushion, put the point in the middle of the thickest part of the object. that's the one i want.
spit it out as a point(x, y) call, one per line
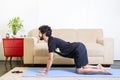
point(93, 50)
point(41, 49)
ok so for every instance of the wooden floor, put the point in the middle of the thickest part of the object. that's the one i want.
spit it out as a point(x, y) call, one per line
point(5, 68)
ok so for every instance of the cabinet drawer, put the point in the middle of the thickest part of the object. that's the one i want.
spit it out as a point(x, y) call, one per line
point(14, 52)
point(18, 43)
point(18, 51)
point(8, 51)
point(8, 43)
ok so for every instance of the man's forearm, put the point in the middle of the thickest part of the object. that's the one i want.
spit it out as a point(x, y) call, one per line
point(49, 63)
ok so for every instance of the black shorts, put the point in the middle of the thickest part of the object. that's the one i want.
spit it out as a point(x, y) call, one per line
point(80, 56)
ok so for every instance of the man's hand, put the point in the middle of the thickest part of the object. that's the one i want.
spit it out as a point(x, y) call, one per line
point(43, 73)
point(45, 69)
point(49, 63)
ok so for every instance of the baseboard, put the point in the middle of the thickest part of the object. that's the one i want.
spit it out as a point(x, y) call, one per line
point(9, 60)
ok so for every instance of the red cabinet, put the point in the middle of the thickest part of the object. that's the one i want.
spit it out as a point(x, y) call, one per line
point(13, 47)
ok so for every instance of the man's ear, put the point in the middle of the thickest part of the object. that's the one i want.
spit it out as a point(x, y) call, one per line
point(44, 34)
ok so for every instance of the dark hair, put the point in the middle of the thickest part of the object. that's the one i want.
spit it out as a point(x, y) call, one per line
point(45, 29)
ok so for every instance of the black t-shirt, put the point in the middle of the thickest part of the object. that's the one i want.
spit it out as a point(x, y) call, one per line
point(66, 48)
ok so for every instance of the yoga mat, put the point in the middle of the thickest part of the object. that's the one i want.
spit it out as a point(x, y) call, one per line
point(69, 72)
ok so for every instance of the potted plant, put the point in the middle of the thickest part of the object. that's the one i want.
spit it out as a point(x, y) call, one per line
point(15, 24)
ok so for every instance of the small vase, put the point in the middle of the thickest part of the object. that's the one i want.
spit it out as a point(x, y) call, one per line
point(7, 35)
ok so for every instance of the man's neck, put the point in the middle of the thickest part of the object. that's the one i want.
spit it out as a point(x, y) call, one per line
point(46, 39)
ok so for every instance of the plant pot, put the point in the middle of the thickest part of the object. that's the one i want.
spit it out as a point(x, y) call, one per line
point(14, 32)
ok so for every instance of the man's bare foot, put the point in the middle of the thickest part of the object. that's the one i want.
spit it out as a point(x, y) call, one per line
point(101, 67)
point(106, 72)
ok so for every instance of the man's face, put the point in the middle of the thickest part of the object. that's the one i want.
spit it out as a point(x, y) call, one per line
point(40, 35)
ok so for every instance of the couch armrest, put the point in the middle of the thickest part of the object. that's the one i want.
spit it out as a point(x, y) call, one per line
point(109, 48)
point(28, 50)
point(108, 44)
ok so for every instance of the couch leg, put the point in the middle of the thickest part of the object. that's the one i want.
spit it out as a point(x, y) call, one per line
point(106, 65)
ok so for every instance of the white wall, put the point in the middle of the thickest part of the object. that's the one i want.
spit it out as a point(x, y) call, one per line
point(103, 14)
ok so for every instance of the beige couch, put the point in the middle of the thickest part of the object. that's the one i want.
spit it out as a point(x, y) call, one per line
point(100, 49)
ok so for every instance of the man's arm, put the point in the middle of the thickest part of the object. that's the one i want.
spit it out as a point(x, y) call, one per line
point(49, 62)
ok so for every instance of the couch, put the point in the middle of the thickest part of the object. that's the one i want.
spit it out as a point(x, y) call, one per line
point(100, 49)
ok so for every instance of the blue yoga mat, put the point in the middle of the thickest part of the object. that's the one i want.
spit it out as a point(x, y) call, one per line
point(68, 72)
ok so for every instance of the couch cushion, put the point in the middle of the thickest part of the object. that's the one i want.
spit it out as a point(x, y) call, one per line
point(41, 52)
point(33, 33)
point(93, 50)
point(41, 49)
point(65, 34)
point(89, 35)
point(73, 35)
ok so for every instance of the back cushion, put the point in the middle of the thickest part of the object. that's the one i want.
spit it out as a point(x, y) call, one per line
point(89, 35)
point(33, 33)
point(73, 35)
point(78, 35)
point(65, 34)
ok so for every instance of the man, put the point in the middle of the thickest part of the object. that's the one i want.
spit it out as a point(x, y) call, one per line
point(75, 50)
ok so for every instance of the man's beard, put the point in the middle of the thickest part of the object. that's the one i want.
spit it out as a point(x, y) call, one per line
point(41, 38)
